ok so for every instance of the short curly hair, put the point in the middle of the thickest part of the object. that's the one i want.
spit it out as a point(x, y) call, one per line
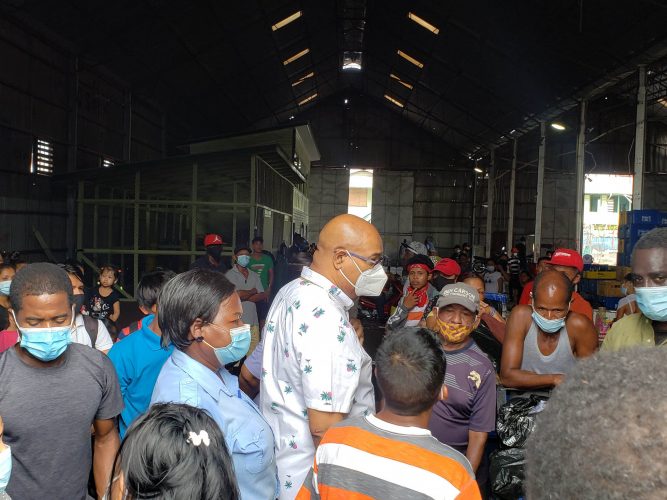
point(603, 433)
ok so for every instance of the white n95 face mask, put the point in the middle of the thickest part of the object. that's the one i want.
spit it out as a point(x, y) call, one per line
point(370, 283)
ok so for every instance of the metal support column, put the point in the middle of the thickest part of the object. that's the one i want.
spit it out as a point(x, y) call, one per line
point(135, 238)
point(96, 213)
point(640, 141)
point(127, 127)
point(510, 218)
point(580, 157)
point(193, 213)
point(540, 191)
point(79, 219)
point(491, 185)
point(235, 199)
point(473, 228)
point(253, 196)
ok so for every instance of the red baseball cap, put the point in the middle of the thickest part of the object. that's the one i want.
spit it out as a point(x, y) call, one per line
point(568, 258)
point(448, 267)
point(212, 239)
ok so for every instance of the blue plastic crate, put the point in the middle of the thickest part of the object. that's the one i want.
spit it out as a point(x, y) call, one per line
point(644, 217)
point(634, 232)
point(609, 302)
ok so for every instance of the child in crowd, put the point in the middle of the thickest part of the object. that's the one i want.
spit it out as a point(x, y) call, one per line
point(418, 294)
point(139, 357)
point(87, 329)
point(173, 451)
point(104, 301)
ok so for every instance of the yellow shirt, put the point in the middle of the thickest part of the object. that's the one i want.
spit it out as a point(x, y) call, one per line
point(631, 330)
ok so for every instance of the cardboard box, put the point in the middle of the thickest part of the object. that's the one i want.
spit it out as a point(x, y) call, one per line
point(600, 275)
point(609, 288)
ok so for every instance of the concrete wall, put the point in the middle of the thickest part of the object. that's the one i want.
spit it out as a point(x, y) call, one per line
point(328, 193)
point(393, 202)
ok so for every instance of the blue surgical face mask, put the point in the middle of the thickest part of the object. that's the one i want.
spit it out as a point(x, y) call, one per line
point(5, 468)
point(236, 349)
point(45, 344)
point(243, 260)
point(548, 325)
point(624, 290)
point(652, 300)
point(4, 287)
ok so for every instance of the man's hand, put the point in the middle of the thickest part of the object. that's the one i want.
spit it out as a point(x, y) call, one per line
point(484, 308)
point(558, 379)
point(410, 300)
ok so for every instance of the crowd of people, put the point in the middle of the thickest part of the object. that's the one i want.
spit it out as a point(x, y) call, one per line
point(228, 387)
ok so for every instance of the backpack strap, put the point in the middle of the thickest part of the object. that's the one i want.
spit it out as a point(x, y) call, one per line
point(92, 326)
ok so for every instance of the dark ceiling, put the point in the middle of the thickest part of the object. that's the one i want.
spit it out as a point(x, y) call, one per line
point(217, 66)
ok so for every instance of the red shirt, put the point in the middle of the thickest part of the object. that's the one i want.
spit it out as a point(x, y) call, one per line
point(579, 304)
point(8, 339)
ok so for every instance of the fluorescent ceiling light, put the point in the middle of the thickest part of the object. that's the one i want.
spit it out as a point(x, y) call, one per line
point(558, 126)
point(303, 78)
point(410, 59)
point(395, 101)
point(308, 99)
point(295, 57)
point(287, 20)
point(398, 79)
point(478, 170)
point(663, 101)
point(423, 23)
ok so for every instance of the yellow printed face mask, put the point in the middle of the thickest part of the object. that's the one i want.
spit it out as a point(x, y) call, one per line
point(454, 333)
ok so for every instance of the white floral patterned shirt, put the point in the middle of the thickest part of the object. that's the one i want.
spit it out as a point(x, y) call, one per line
point(312, 359)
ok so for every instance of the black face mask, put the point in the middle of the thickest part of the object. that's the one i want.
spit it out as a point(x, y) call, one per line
point(439, 282)
point(214, 252)
point(78, 303)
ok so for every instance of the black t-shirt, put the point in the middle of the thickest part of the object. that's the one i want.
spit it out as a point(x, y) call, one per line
point(101, 307)
point(47, 414)
point(203, 262)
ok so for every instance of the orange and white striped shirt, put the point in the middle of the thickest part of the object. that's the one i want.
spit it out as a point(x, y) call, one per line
point(365, 457)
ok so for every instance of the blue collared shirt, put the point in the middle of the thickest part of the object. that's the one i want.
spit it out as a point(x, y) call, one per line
point(247, 435)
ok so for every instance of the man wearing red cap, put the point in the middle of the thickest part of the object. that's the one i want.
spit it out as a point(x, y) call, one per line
point(570, 263)
point(418, 295)
point(445, 272)
point(213, 258)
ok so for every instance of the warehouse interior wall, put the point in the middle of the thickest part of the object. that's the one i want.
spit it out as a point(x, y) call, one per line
point(85, 114)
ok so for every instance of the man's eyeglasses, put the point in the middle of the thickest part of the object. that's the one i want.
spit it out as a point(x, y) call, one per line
point(369, 261)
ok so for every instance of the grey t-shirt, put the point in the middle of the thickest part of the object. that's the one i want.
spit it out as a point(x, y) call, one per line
point(47, 414)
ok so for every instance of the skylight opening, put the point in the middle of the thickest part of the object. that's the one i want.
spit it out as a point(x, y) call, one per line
point(296, 56)
point(287, 20)
point(410, 59)
point(42, 160)
point(394, 101)
point(398, 79)
point(352, 60)
point(303, 78)
point(423, 23)
point(663, 101)
point(308, 99)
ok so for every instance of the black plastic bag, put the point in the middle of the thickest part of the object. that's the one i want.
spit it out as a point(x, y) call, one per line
point(516, 420)
point(507, 473)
